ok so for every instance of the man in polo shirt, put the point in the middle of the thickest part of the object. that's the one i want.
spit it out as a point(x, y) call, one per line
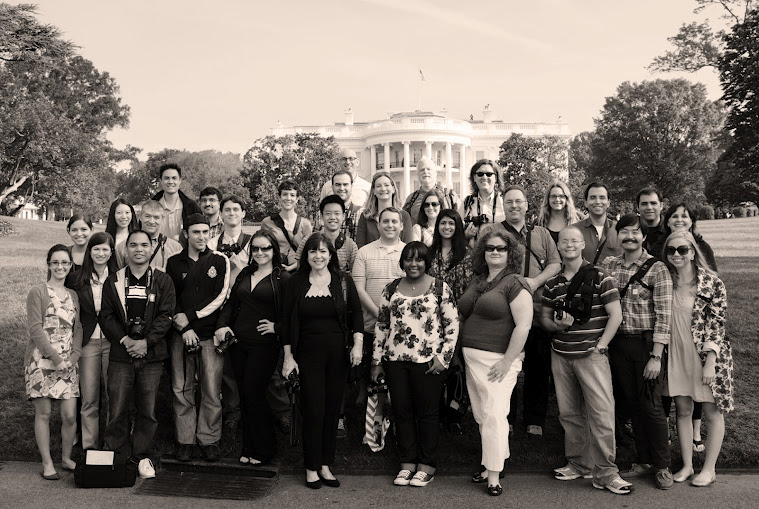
point(597, 229)
point(332, 212)
point(162, 247)
point(361, 188)
point(210, 201)
point(201, 280)
point(426, 173)
point(342, 186)
point(177, 206)
point(582, 325)
point(542, 262)
point(376, 265)
point(135, 316)
point(649, 208)
point(637, 349)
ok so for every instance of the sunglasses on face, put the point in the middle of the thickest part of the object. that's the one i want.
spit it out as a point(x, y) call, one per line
point(681, 250)
point(499, 249)
point(431, 204)
point(262, 249)
point(484, 174)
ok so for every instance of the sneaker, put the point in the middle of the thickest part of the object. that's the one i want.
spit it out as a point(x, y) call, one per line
point(403, 478)
point(568, 473)
point(342, 428)
point(211, 452)
point(184, 452)
point(615, 485)
point(146, 469)
point(663, 479)
point(638, 470)
point(421, 479)
point(534, 430)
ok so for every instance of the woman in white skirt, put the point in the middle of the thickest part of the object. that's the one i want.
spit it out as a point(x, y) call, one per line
point(497, 313)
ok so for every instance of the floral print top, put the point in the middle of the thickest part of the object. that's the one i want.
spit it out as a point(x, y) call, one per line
point(458, 277)
point(410, 329)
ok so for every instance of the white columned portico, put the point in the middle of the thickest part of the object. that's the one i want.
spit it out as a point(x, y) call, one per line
point(372, 160)
point(428, 149)
point(448, 164)
point(406, 170)
point(463, 174)
point(387, 157)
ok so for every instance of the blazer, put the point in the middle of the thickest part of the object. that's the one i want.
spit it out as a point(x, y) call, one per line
point(37, 303)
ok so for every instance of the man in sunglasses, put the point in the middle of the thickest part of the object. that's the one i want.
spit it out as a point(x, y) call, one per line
point(201, 280)
point(426, 173)
point(645, 288)
point(361, 188)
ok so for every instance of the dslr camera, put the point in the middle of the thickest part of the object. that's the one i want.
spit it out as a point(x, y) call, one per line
point(136, 328)
point(477, 220)
point(378, 387)
point(229, 340)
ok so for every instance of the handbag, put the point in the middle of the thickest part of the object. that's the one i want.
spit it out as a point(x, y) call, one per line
point(105, 469)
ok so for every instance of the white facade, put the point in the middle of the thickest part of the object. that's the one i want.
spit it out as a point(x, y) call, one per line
point(396, 144)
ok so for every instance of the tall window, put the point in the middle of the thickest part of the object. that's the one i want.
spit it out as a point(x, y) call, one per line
point(416, 155)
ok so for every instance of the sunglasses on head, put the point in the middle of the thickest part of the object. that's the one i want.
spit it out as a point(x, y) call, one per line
point(263, 249)
point(681, 250)
point(500, 249)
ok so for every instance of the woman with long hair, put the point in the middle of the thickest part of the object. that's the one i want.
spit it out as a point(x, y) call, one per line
point(497, 313)
point(52, 357)
point(121, 220)
point(79, 229)
point(414, 341)
point(253, 315)
point(383, 194)
point(424, 229)
point(99, 262)
point(557, 209)
point(323, 323)
point(288, 227)
point(700, 361)
point(450, 253)
point(485, 204)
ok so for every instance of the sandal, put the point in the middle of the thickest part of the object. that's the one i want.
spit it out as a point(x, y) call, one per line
point(698, 446)
point(495, 491)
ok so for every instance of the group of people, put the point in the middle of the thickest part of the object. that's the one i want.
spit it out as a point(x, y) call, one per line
point(623, 316)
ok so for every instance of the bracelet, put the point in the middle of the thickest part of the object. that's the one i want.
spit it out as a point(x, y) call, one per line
point(655, 357)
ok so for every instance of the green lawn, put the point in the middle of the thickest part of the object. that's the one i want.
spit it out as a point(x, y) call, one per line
point(735, 244)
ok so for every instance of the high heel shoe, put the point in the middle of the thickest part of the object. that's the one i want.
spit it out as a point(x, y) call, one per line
point(314, 485)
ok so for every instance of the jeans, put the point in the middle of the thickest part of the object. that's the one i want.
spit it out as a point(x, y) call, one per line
point(640, 399)
point(586, 412)
point(127, 381)
point(208, 365)
point(93, 367)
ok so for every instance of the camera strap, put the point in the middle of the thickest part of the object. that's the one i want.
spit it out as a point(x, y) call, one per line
point(526, 243)
point(127, 274)
point(159, 246)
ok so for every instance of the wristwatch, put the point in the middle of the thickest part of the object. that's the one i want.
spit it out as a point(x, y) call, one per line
point(603, 350)
point(655, 357)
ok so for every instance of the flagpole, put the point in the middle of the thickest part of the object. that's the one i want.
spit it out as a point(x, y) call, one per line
point(419, 89)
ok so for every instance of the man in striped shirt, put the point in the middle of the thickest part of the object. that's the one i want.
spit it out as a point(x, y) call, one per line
point(581, 310)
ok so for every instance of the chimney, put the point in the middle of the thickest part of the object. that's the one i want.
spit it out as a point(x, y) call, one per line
point(348, 116)
point(487, 114)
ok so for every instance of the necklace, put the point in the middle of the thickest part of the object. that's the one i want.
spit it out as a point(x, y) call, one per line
point(321, 287)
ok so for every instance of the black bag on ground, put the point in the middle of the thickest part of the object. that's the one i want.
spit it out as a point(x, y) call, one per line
point(105, 469)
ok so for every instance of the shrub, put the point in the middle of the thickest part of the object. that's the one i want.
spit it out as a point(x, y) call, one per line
point(739, 212)
point(705, 212)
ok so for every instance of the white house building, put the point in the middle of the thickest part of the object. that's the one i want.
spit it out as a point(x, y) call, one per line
point(396, 143)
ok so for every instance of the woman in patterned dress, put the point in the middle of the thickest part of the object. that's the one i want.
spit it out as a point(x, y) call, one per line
point(451, 256)
point(52, 355)
point(415, 337)
point(700, 363)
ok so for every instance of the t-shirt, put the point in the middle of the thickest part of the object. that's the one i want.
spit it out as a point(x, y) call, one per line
point(579, 339)
point(375, 266)
point(137, 295)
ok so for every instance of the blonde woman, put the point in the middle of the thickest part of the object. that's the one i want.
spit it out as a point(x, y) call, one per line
point(382, 195)
point(557, 209)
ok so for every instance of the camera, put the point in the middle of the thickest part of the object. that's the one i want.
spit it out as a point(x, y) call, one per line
point(229, 249)
point(292, 383)
point(229, 340)
point(478, 220)
point(378, 387)
point(136, 328)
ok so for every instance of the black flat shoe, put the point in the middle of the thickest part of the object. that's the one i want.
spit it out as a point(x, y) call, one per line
point(332, 483)
point(495, 491)
point(477, 477)
point(314, 485)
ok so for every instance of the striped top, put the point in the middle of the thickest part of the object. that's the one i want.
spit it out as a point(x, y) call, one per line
point(375, 266)
point(579, 339)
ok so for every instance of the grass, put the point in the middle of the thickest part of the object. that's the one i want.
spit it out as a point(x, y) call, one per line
point(734, 242)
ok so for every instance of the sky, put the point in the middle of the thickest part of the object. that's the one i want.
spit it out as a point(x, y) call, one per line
point(218, 75)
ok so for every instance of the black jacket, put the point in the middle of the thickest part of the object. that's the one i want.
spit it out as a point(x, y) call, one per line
point(158, 314)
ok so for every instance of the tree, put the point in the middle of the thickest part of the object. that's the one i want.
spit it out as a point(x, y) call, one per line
point(739, 77)
point(306, 158)
point(533, 163)
point(23, 38)
point(663, 133)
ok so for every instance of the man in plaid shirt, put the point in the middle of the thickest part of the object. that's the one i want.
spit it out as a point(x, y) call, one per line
point(637, 349)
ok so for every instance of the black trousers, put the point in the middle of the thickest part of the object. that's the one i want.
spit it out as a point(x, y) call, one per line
point(323, 373)
point(253, 365)
point(537, 379)
point(416, 400)
point(640, 399)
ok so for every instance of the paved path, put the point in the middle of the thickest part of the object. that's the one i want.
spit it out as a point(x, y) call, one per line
point(22, 487)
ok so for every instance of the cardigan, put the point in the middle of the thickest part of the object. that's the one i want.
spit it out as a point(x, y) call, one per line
point(37, 303)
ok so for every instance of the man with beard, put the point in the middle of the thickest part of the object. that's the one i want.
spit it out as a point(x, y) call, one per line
point(426, 173)
point(598, 230)
point(210, 200)
point(646, 290)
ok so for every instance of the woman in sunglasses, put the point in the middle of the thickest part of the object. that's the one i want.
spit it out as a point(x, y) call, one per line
point(557, 209)
point(700, 363)
point(485, 204)
point(253, 316)
point(497, 313)
point(424, 229)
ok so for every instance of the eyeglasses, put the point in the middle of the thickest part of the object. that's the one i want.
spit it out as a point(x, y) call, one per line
point(510, 203)
point(567, 242)
point(349, 159)
point(431, 204)
point(499, 249)
point(262, 249)
point(681, 250)
point(59, 264)
point(484, 174)
point(558, 196)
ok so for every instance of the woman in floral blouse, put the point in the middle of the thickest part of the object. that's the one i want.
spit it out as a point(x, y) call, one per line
point(415, 337)
point(450, 253)
point(700, 363)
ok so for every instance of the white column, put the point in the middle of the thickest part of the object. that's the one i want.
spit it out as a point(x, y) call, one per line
point(463, 173)
point(372, 160)
point(387, 157)
point(448, 163)
point(406, 170)
point(428, 149)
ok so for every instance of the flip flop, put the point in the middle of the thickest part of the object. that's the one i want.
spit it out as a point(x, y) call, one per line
point(52, 477)
point(698, 446)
